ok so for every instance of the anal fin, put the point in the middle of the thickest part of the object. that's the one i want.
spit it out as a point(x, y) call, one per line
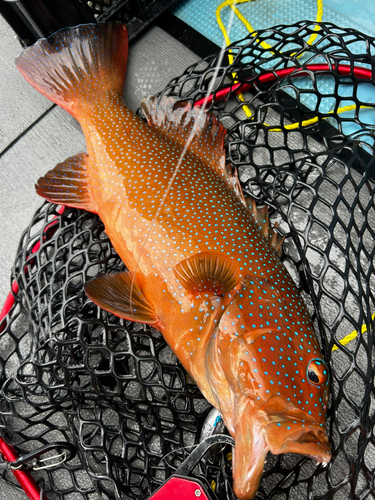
point(121, 294)
point(67, 184)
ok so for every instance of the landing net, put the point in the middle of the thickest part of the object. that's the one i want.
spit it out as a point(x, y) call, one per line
point(301, 138)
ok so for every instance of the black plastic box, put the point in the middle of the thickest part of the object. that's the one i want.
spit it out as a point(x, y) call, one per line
point(34, 19)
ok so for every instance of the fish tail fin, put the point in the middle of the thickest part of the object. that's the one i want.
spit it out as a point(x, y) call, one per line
point(74, 65)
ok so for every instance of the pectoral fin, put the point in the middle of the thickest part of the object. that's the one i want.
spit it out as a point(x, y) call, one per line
point(121, 294)
point(208, 272)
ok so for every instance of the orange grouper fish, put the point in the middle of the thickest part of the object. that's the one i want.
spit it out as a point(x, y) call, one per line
point(200, 268)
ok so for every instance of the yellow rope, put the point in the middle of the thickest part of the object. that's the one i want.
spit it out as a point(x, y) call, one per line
point(319, 16)
point(352, 336)
point(246, 109)
point(313, 120)
point(232, 4)
point(250, 29)
point(227, 3)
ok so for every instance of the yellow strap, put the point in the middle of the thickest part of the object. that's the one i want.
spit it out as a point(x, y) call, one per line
point(352, 335)
point(305, 123)
point(246, 109)
point(232, 4)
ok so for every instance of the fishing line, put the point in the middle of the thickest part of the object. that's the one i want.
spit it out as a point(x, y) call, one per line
point(253, 33)
point(184, 151)
point(265, 45)
point(187, 448)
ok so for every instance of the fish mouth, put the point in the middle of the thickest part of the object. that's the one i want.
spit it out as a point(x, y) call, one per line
point(303, 437)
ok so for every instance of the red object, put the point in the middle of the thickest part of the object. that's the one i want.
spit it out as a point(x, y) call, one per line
point(26, 481)
point(8, 304)
point(267, 78)
point(181, 489)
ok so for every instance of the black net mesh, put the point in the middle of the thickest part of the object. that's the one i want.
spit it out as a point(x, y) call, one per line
point(112, 387)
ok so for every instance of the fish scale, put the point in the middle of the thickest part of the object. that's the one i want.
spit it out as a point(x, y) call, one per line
point(222, 227)
point(201, 269)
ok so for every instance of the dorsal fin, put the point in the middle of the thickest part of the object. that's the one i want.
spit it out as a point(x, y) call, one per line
point(208, 272)
point(260, 216)
point(200, 130)
point(204, 135)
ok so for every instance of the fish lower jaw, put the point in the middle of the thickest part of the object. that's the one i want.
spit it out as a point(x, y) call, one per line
point(320, 453)
point(310, 444)
point(299, 437)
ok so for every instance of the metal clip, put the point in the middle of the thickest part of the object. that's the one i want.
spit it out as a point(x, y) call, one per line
point(34, 461)
point(189, 463)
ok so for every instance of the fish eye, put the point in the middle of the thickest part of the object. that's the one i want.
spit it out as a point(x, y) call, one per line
point(317, 372)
